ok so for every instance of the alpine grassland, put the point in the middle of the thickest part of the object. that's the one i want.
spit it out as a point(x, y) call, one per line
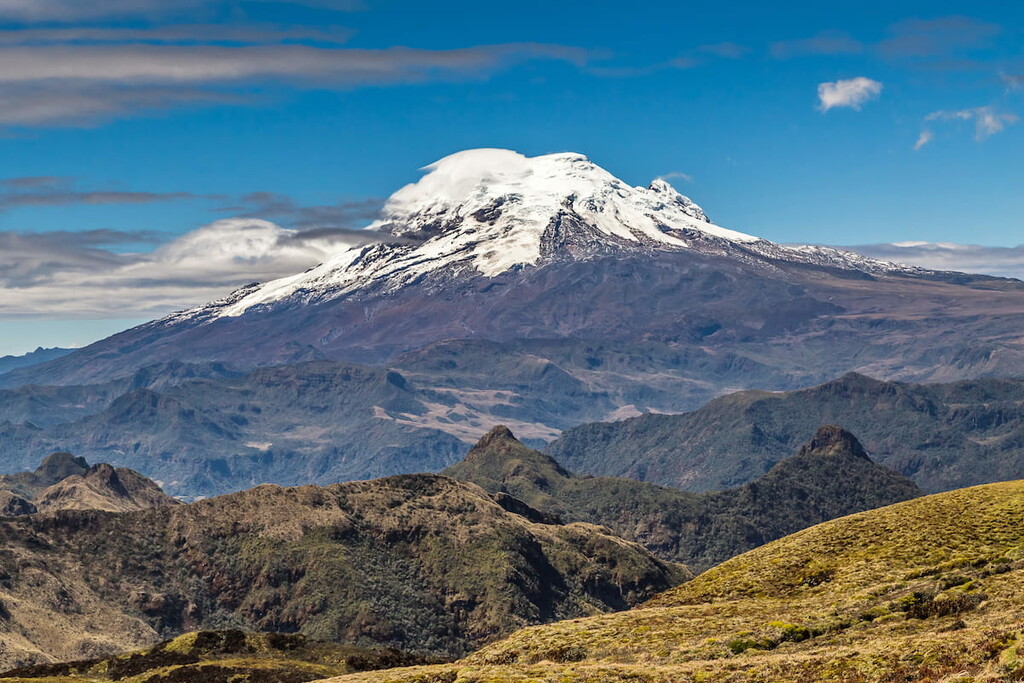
point(927, 590)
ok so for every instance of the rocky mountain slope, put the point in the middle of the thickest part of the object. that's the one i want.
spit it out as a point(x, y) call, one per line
point(64, 482)
point(831, 476)
point(927, 590)
point(943, 436)
point(416, 562)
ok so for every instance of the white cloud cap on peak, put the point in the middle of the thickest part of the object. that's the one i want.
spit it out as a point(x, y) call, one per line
point(852, 93)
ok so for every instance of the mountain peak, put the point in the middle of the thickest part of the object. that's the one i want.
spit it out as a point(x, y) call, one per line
point(484, 212)
point(57, 466)
point(498, 435)
point(518, 197)
point(501, 458)
point(834, 440)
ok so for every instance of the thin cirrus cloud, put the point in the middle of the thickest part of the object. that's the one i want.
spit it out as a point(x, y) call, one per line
point(56, 191)
point(939, 38)
point(78, 10)
point(824, 43)
point(923, 139)
point(986, 121)
point(344, 218)
point(82, 84)
point(852, 93)
point(176, 34)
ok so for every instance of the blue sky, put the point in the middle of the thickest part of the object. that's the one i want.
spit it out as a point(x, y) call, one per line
point(126, 125)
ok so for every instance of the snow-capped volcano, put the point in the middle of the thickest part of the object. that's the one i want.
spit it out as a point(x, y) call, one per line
point(487, 211)
point(541, 292)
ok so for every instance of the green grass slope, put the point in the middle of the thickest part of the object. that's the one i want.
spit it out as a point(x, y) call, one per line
point(228, 656)
point(928, 590)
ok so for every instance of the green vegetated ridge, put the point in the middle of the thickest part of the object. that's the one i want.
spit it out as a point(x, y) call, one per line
point(927, 590)
point(829, 477)
point(421, 563)
point(943, 436)
point(227, 656)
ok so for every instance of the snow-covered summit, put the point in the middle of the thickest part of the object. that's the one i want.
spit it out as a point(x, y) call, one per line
point(499, 204)
point(486, 211)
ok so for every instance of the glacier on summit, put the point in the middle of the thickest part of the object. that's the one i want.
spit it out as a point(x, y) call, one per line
point(487, 211)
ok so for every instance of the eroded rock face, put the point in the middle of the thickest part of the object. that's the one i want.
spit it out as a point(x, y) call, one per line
point(12, 505)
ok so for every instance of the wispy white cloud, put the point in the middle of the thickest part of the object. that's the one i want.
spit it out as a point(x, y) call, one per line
point(676, 175)
point(987, 120)
point(86, 275)
point(727, 50)
point(923, 139)
point(82, 10)
point(966, 258)
point(938, 37)
point(55, 191)
point(852, 93)
point(948, 42)
point(189, 34)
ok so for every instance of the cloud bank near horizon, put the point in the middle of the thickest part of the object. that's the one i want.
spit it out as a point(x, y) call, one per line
point(87, 274)
point(966, 258)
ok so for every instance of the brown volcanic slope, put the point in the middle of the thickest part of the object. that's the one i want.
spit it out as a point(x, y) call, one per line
point(664, 330)
point(829, 477)
point(418, 562)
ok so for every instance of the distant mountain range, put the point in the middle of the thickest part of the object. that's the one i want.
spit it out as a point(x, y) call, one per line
point(323, 422)
point(943, 436)
point(40, 355)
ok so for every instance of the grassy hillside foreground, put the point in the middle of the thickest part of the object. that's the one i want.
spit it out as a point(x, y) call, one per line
point(927, 590)
point(228, 656)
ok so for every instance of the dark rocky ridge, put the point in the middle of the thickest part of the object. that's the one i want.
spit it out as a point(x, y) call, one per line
point(831, 476)
point(66, 482)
